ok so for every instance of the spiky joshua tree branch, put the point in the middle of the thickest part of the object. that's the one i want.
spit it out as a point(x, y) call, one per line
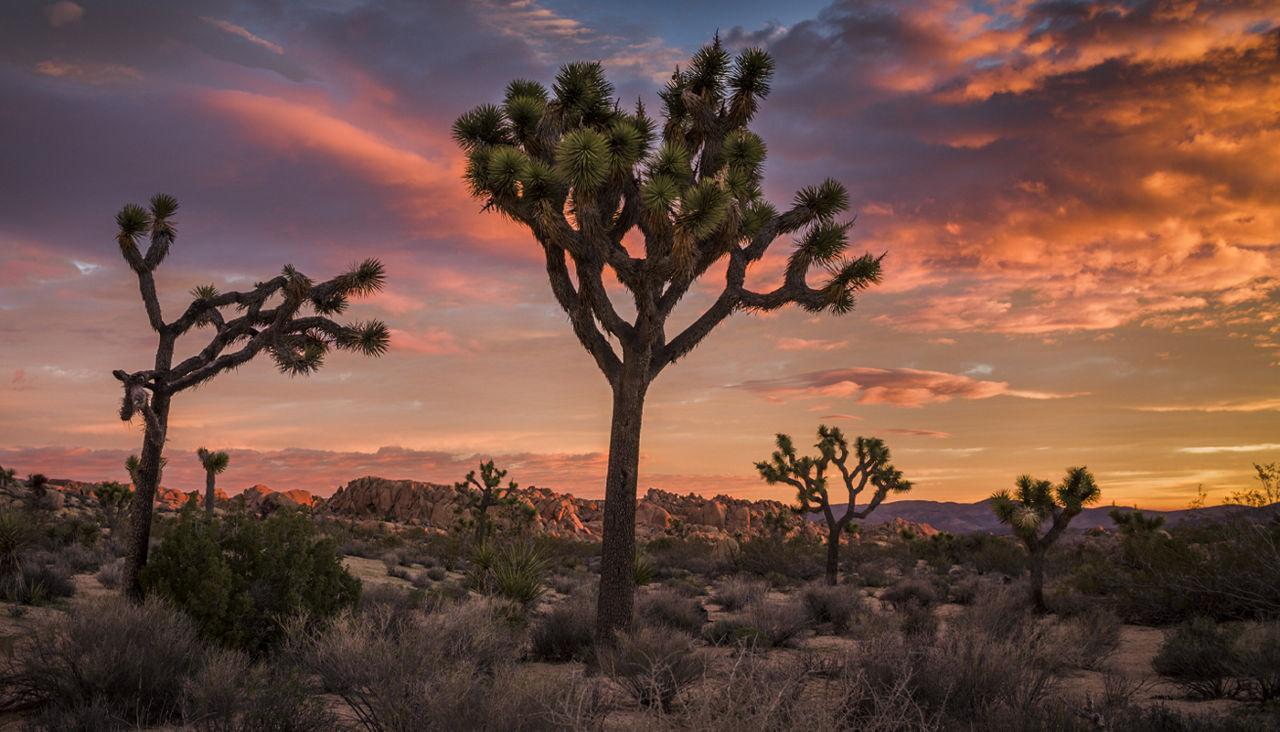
point(1036, 503)
point(809, 476)
point(288, 317)
point(582, 174)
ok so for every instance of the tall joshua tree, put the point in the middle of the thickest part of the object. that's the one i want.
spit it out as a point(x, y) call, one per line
point(477, 495)
point(214, 463)
point(1037, 502)
point(581, 174)
point(270, 317)
point(809, 476)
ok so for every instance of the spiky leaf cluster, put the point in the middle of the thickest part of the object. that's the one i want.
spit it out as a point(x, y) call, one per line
point(1036, 502)
point(581, 172)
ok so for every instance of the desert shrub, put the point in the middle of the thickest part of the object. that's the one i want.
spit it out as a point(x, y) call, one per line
point(1198, 656)
point(964, 590)
point(667, 608)
point(109, 575)
point(452, 669)
point(688, 586)
point(437, 574)
point(988, 553)
point(1088, 638)
point(918, 620)
point(755, 693)
point(399, 603)
point(834, 605)
point(1222, 571)
point(797, 559)
point(240, 578)
point(79, 558)
point(653, 665)
point(1257, 660)
point(736, 592)
point(566, 631)
point(44, 578)
point(779, 621)
point(736, 632)
point(112, 665)
point(671, 557)
point(910, 592)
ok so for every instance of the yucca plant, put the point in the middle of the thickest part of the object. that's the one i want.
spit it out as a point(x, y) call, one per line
point(580, 173)
point(809, 476)
point(214, 463)
point(269, 318)
point(519, 573)
point(1036, 503)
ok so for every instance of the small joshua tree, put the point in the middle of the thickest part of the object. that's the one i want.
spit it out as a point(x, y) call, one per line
point(113, 499)
point(214, 463)
point(582, 174)
point(475, 496)
point(270, 317)
point(7, 477)
point(809, 477)
point(1135, 523)
point(1037, 502)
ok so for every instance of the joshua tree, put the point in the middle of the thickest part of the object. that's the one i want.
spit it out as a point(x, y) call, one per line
point(267, 318)
point(7, 477)
point(1036, 502)
point(1135, 523)
point(487, 492)
point(114, 500)
point(214, 463)
point(809, 477)
point(38, 483)
point(581, 174)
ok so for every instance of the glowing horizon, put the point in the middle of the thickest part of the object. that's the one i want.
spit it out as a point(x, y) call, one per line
point(1080, 207)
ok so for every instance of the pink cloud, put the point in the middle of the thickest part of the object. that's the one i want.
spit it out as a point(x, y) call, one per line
point(802, 344)
point(432, 342)
point(899, 387)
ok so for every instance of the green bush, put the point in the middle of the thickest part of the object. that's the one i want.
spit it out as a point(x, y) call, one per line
point(240, 578)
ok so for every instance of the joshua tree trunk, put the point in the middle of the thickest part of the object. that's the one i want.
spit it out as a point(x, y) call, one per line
point(618, 548)
point(208, 493)
point(833, 553)
point(148, 480)
point(482, 525)
point(1037, 579)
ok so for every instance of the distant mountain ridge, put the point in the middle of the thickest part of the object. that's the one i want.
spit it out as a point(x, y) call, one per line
point(966, 518)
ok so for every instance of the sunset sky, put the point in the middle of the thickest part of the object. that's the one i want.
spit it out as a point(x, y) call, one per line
point(1079, 201)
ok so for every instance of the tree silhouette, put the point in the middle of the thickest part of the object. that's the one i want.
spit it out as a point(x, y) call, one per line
point(214, 463)
point(809, 476)
point(267, 318)
point(1036, 502)
point(7, 477)
point(581, 174)
point(476, 496)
